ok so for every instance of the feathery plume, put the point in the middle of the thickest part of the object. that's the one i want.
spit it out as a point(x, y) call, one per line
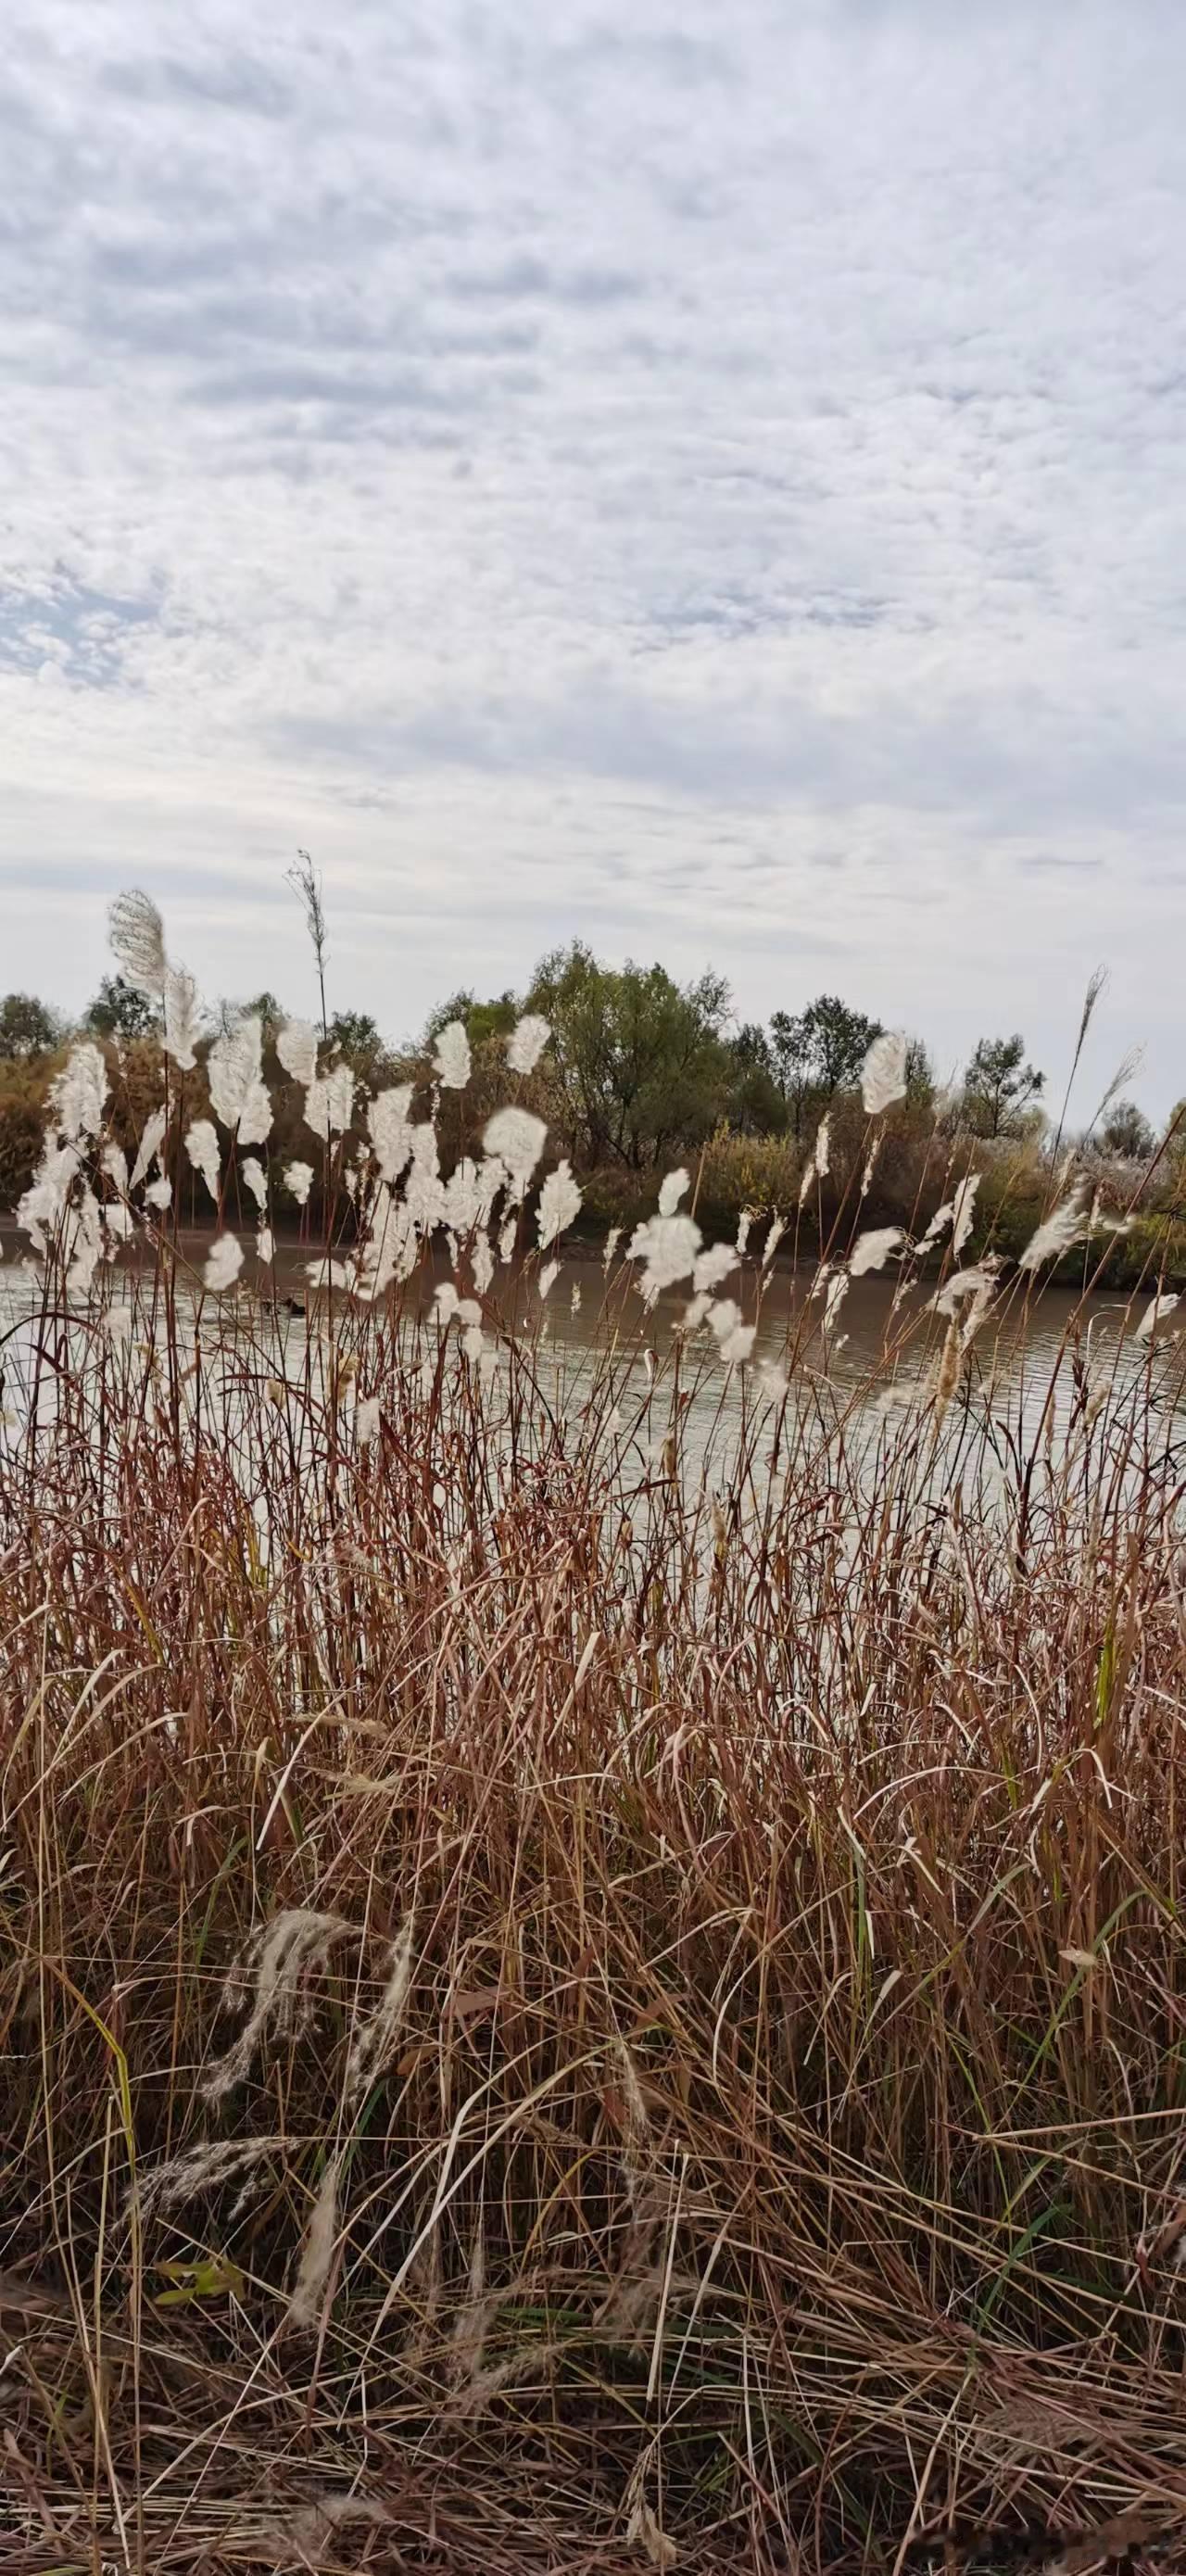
point(1058, 1232)
point(255, 1180)
point(964, 1283)
point(224, 1261)
point(837, 1291)
point(774, 1237)
point(713, 1265)
point(872, 1250)
point(808, 1178)
point(366, 1420)
point(238, 1094)
point(390, 1129)
point(183, 1018)
point(136, 935)
point(559, 1204)
point(734, 1340)
point(151, 1139)
point(883, 1074)
point(296, 1046)
point(1155, 1313)
point(668, 1245)
point(612, 1241)
point(548, 1278)
point(672, 1189)
point(159, 1193)
point(283, 1957)
point(114, 1162)
point(517, 1137)
point(201, 1145)
point(265, 1245)
point(78, 1094)
point(527, 1041)
point(298, 1181)
point(744, 1222)
point(822, 1155)
point(452, 1062)
point(963, 1212)
point(329, 1103)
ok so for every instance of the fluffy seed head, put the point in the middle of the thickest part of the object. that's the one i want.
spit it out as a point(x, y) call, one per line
point(517, 1137)
point(883, 1076)
point(527, 1041)
point(137, 938)
point(224, 1261)
point(452, 1063)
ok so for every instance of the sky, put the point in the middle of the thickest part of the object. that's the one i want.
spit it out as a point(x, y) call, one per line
point(703, 479)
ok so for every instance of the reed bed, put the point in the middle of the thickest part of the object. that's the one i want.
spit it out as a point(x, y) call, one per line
point(570, 2001)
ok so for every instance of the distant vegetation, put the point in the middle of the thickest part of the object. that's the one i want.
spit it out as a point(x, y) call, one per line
point(641, 1072)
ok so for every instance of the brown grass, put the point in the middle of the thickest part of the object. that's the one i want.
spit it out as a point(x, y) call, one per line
point(765, 2150)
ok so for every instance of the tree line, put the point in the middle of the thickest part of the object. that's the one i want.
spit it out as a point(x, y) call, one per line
point(642, 1067)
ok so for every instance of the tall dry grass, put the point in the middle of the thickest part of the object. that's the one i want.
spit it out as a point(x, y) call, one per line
point(591, 1956)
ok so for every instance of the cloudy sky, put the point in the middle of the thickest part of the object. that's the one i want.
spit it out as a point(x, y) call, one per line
point(707, 478)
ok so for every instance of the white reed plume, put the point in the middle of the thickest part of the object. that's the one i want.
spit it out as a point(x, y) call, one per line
point(713, 1265)
point(159, 1193)
point(298, 1181)
point(518, 1138)
point(152, 1137)
point(424, 1190)
point(872, 1250)
point(1058, 1232)
point(548, 1278)
point(1155, 1313)
point(482, 1263)
point(452, 1062)
point(296, 1046)
point(318, 2251)
point(668, 1245)
point(200, 2169)
point(870, 1164)
point(559, 1205)
point(527, 1041)
point(506, 1240)
point(183, 1018)
point(822, 1155)
point(734, 1340)
point(388, 1248)
point(85, 1246)
point(255, 1179)
point(114, 1163)
point(612, 1241)
point(366, 1420)
point(806, 1182)
point(978, 1309)
point(390, 1129)
point(963, 1212)
point(774, 1237)
point(44, 1202)
point(201, 1145)
point(265, 1245)
point(239, 1095)
point(964, 1283)
point(883, 1074)
point(328, 1273)
point(137, 938)
point(374, 2040)
point(329, 1103)
point(672, 1188)
point(744, 1222)
point(224, 1261)
point(937, 1227)
point(283, 1957)
point(78, 1094)
point(837, 1291)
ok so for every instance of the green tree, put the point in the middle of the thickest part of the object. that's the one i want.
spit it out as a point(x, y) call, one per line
point(756, 1105)
point(481, 1020)
point(1126, 1131)
point(818, 1052)
point(27, 1027)
point(999, 1086)
point(356, 1035)
point(122, 1010)
point(641, 1061)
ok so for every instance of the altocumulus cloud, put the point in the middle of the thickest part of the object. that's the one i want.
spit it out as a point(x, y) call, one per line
point(704, 478)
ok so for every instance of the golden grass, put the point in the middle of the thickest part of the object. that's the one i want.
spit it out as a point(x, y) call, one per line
point(685, 1986)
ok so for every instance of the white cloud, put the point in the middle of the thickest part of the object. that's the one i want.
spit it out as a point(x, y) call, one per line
point(704, 479)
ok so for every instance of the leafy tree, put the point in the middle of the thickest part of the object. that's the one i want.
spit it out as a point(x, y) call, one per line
point(121, 1010)
point(356, 1035)
point(818, 1052)
point(999, 1086)
point(756, 1105)
point(480, 1020)
point(641, 1061)
point(1127, 1131)
point(27, 1027)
